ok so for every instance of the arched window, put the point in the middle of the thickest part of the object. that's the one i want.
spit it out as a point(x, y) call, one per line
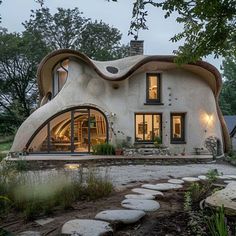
point(60, 74)
point(74, 131)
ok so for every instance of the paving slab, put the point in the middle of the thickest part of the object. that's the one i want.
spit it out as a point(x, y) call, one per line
point(123, 216)
point(202, 177)
point(147, 191)
point(143, 205)
point(162, 186)
point(140, 196)
point(83, 227)
point(226, 197)
point(44, 221)
point(190, 179)
point(225, 177)
point(175, 181)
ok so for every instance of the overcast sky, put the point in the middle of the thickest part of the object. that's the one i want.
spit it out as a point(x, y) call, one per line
point(117, 14)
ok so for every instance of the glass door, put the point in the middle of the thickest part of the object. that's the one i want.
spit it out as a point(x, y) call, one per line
point(81, 130)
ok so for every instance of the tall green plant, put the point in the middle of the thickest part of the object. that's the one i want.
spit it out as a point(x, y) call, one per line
point(217, 223)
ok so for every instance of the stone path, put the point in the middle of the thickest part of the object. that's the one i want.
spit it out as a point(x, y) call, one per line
point(140, 203)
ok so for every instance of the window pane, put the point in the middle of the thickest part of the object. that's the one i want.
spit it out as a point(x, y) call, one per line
point(81, 139)
point(139, 127)
point(153, 87)
point(60, 133)
point(148, 127)
point(40, 141)
point(157, 125)
point(177, 127)
point(97, 128)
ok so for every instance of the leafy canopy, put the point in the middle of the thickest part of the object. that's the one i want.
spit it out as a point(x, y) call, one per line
point(228, 93)
point(68, 28)
point(209, 26)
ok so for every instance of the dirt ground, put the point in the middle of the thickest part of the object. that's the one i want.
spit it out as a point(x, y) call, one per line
point(171, 203)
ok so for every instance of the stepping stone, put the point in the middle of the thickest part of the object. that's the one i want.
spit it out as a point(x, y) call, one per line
point(29, 233)
point(44, 221)
point(202, 177)
point(175, 181)
point(227, 177)
point(86, 227)
point(229, 181)
point(190, 179)
point(233, 176)
point(124, 216)
point(144, 205)
point(162, 186)
point(226, 197)
point(147, 192)
point(140, 196)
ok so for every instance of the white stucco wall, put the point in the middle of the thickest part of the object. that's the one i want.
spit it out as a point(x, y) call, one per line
point(182, 91)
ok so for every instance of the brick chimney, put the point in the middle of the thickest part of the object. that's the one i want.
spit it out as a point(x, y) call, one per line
point(136, 47)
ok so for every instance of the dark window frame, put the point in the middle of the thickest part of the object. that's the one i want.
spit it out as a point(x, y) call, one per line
point(156, 101)
point(147, 113)
point(182, 139)
point(72, 151)
point(55, 76)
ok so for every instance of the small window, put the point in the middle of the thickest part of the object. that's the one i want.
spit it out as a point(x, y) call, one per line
point(153, 88)
point(60, 74)
point(178, 128)
point(147, 127)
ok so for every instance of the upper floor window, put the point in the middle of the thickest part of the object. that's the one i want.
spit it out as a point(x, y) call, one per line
point(177, 127)
point(153, 88)
point(60, 74)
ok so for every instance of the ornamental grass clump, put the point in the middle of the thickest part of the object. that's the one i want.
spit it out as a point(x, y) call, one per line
point(36, 193)
point(103, 149)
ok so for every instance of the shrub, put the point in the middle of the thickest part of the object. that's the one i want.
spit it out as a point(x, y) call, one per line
point(35, 194)
point(212, 175)
point(103, 149)
point(21, 165)
point(97, 186)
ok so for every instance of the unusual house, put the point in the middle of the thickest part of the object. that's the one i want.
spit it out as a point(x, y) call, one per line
point(138, 99)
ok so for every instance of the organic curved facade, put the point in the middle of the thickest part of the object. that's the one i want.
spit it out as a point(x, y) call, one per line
point(140, 99)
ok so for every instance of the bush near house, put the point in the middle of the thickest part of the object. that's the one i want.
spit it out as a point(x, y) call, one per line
point(103, 149)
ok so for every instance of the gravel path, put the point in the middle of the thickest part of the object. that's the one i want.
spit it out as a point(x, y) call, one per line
point(122, 175)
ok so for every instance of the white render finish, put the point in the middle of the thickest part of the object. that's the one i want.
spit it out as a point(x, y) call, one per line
point(181, 91)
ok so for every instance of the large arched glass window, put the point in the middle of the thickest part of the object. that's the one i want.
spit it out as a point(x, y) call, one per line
point(60, 74)
point(74, 131)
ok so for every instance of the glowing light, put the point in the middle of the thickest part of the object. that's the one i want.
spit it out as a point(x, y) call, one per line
point(72, 166)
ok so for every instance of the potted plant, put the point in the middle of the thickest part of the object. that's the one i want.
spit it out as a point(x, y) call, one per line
point(157, 141)
point(119, 150)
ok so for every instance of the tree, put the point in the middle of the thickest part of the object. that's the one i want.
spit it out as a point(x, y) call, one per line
point(209, 26)
point(18, 64)
point(67, 28)
point(101, 42)
point(228, 93)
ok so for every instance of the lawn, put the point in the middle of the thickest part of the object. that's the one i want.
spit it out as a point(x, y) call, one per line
point(5, 145)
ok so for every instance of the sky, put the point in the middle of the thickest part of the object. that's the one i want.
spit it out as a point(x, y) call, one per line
point(116, 14)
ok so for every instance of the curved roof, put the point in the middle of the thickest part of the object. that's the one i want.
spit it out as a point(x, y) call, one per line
point(124, 67)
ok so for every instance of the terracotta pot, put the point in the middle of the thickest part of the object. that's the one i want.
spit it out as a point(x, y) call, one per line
point(119, 152)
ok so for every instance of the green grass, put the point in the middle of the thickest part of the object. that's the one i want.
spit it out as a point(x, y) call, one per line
point(5, 146)
point(34, 195)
